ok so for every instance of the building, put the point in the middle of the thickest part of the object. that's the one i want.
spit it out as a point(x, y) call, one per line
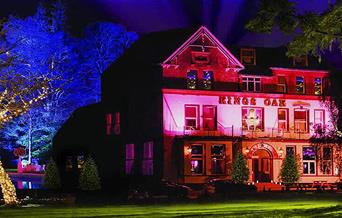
point(183, 116)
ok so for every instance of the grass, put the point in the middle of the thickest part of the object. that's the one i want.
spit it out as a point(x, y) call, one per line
point(313, 207)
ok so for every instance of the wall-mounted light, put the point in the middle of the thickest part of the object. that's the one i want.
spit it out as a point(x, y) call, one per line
point(281, 151)
point(247, 150)
point(187, 150)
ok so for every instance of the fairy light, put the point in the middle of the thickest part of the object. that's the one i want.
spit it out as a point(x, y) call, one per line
point(7, 188)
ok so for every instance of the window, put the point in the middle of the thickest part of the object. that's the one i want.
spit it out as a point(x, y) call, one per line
point(318, 86)
point(327, 161)
point(196, 159)
point(218, 159)
point(290, 150)
point(300, 86)
point(129, 162)
point(301, 61)
point(281, 84)
point(68, 163)
point(80, 161)
point(191, 117)
point(251, 84)
point(109, 124)
point(301, 120)
point(248, 56)
point(209, 117)
point(200, 57)
point(147, 164)
point(252, 118)
point(319, 118)
point(192, 79)
point(283, 119)
point(309, 160)
point(117, 128)
point(208, 79)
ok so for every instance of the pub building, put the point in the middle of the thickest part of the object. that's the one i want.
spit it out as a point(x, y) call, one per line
point(185, 104)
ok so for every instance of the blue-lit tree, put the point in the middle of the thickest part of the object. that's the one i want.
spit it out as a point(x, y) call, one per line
point(73, 65)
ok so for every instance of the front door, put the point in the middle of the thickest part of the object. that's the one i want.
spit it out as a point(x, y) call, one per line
point(262, 166)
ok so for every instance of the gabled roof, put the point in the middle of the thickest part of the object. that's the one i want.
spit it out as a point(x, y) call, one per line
point(201, 33)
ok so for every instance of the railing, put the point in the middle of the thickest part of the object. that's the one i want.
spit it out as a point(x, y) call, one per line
point(240, 132)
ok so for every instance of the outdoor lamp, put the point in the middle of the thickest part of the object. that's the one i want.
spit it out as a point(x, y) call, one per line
point(281, 152)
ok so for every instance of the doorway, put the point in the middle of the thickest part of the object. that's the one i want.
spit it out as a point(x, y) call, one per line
point(262, 166)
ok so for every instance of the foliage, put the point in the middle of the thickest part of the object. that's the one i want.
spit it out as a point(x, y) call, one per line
point(289, 172)
point(51, 177)
point(89, 178)
point(240, 173)
point(313, 32)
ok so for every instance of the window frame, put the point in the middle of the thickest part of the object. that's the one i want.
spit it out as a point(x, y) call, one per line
point(308, 162)
point(262, 120)
point(197, 127)
point(320, 86)
point(330, 160)
point(284, 85)
point(252, 56)
point(129, 159)
point(294, 149)
point(322, 122)
point(286, 120)
point(295, 121)
point(298, 85)
point(206, 118)
point(188, 79)
point(197, 157)
point(208, 83)
point(147, 159)
point(253, 80)
point(220, 157)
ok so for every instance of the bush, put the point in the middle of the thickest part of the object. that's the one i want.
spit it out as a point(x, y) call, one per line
point(240, 172)
point(289, 173)
point(89, 179)
point(51, 178)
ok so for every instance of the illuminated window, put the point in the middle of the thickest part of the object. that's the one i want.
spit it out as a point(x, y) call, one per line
point(327, 161)
point(283, 119)
point(251, 84)
point(301, 61)
point(191, 117)
point(300, 86)
point(196, 161)
point(80, 161)
point(290, 150)
point(248, 56)
point(318, 86)
point(208, 79)
point(252, 118)
point(218, 159)
point(309, 160)
point(209, 117)
point(192, 79)
point(301, 120)
point(281, 84)
point(129, 162)
point(117, 128)
point(147, 164)
point(109, 121)
point(68, 163)
point(319, 118)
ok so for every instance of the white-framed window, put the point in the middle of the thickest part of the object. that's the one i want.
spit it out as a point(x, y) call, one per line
point(191, 117)
point(252, 118)
point(309, 161)
point(251, 84)
point(327, 160)
point(319, 117)
point(196, 161)
point(129, 159)
point(301, 120)
point(283, 119)
point(300, 85)
point(209, 117)
point(218, 159)
point(147, 163)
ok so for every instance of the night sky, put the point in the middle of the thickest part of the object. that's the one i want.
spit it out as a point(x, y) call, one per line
point(225, 18)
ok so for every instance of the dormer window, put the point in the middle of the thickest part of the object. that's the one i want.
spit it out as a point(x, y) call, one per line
point(192, 79)
point(251, 84)
point(301, 61)
point(248, 56)
point(318, 86)
point(208, 79)
point(300, 85)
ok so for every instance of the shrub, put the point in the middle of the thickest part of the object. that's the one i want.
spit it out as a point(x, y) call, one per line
point(51, 177)
point(240, 172)
point(89, 179)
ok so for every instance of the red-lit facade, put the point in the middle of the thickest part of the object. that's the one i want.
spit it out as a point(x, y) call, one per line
point(214, 106)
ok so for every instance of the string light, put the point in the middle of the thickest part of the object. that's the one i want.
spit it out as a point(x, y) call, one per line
point(7, 187)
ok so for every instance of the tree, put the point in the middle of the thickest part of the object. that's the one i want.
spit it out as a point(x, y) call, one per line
point(289, 172)
point(240, 173)
point(7, 188)
point(51, 177)
point(89, 179)
point(313, 32)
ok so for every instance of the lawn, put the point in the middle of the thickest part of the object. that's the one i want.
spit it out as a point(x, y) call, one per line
point(236, 208)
